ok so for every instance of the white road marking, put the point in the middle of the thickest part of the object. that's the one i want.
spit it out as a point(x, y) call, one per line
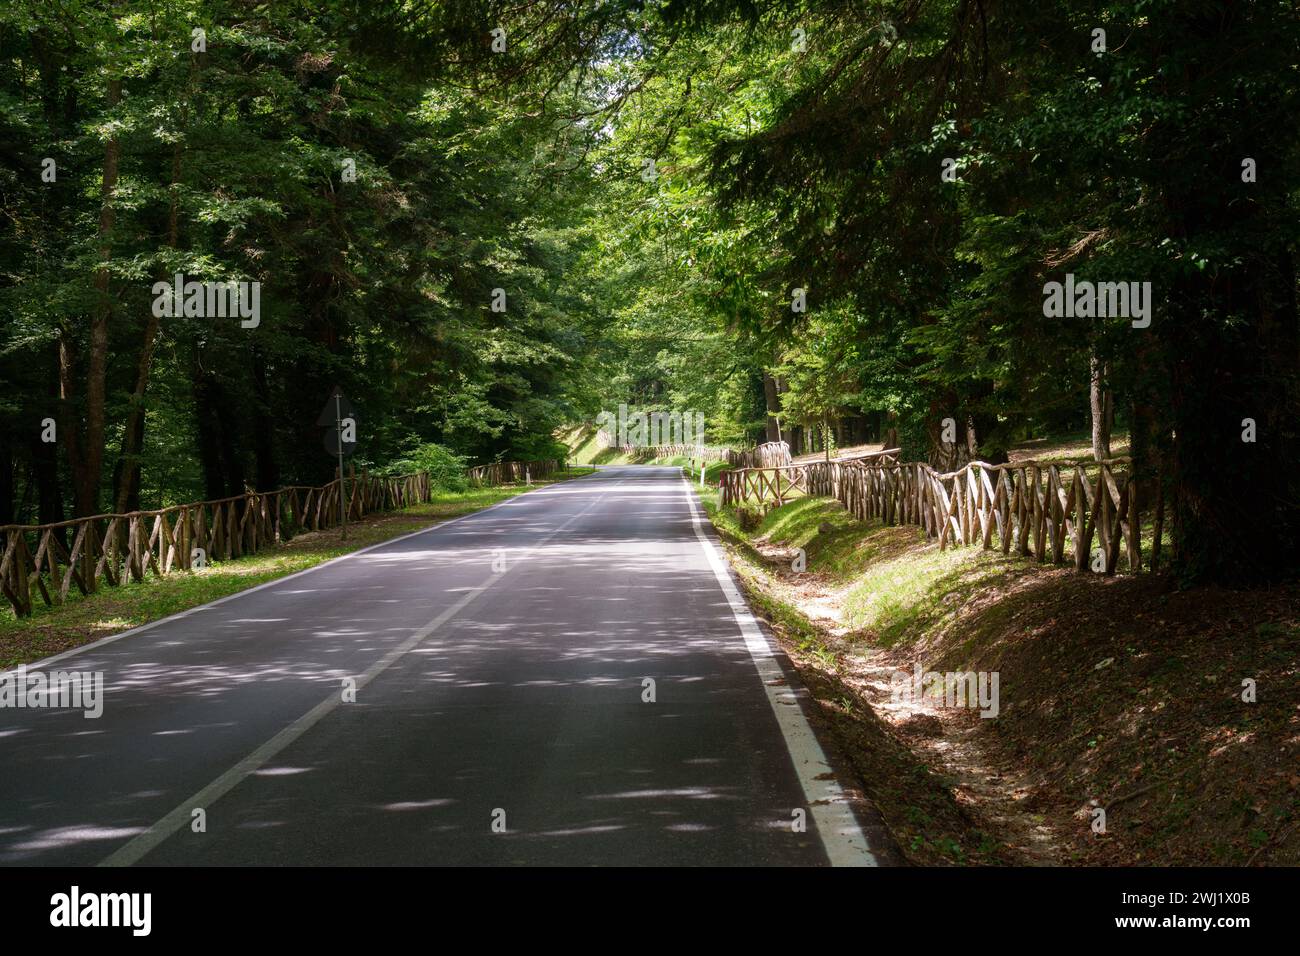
point(841, 835)
point(136, 849)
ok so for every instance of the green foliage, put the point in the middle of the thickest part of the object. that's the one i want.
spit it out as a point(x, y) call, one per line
point(822, 169)
point(649, 185)
point(445, 468)
point(233, 163)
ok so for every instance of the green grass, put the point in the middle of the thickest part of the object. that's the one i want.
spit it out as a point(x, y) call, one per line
point(1069, 447)
point(1101, 669)
point(844, 549)
point(748, 564)
point(583, 446)
point(899, 585)
point(712, 470)
point(904, 598)
point(111, 610)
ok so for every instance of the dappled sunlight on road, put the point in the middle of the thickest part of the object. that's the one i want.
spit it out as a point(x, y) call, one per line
point(531, 700)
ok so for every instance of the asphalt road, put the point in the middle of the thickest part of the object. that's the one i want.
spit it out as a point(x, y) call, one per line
point(500, 712)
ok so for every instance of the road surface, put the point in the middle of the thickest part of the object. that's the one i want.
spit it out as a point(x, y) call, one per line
point(477, 693)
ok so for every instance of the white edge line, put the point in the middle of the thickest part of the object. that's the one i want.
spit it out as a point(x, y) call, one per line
point(41, 664)
point(837, 825)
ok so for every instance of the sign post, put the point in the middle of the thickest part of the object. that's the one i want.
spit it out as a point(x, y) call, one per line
point(340, 439)
point(338, 428)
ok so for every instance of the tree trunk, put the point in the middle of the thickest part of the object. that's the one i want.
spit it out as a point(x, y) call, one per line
point(69, 420)
point(218, 438)
point(1234, 501)
point(943, 455)
point(1101, 402)
point(268, 466)
point(1229, 338)
point(97, 361)
point(1145, 439)
point(207, 431)
point(773, 401)
point(6, 480)
point(49, 496)
point(128, 472)
point(890, 436)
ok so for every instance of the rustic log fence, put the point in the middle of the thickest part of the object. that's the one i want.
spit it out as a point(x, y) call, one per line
point(647, 452)
point(503, 472)
point(695, 452)
point(770, 487)
point(1047, 510)
point(773, 454)
point(115, 548)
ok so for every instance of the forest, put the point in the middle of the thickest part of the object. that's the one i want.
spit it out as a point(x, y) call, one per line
point(826, 220)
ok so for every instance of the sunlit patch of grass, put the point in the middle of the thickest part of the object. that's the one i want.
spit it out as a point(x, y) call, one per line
point(902, 599)
point(748, 564)
point(797, 523)
point(582, 443)
point(836, 543)
point(1067, 448)
point(900, 584)
point(712, 471)
point(585, 448)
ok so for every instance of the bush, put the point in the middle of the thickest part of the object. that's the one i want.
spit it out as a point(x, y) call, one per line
point(446, 468)
point(539, 448)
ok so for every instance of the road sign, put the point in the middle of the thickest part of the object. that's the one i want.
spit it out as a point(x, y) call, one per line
point(339, 419)
point(344, 409)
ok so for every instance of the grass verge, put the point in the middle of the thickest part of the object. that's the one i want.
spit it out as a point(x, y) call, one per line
point(1119, 693)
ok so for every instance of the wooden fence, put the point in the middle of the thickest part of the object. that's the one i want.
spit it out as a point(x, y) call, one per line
point(859, 453)
point(1050, 511)
point(770, 487)
point(647, 452)
point(694, 452)
point(773, 454)
point(113, 548)
point(502, 472)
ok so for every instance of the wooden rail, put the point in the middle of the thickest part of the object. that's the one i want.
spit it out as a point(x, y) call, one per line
point(771, 454)
point(695, 452)
point(114, 548)
point(501, 472)
point(1050, 511)
point(774, 454)
point(770, 487)
point(846, 454)
point(773, 487)
point(647, 452)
